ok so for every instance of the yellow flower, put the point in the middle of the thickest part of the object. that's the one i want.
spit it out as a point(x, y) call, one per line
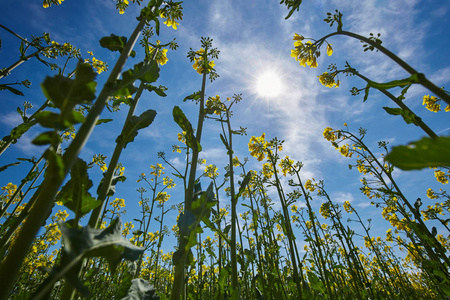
point(162, 197)
point(309, 186)
point(211, 171)
point(328, 80)
point(170, 22)
point(348, 208)
point(103, 167)
point(431, 103)
point(285, 165)
point(257, 146)
point(329, 134)
point(345, 151)
point(267, 170)
point(236, 161)
point(161, 56)
point(329, 50)
point(431, 194)
point(325, 210)
point(441, 176)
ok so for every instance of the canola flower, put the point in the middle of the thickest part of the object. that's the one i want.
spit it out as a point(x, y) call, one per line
point(161, 56)
point(306, 53)
point(98, 65)
point(48, 3)
point(211, 171)
point(257, 146)
point(170, 21)
point(441, 176)
point(199, 63)
point(286, 165)
point(432, 103)
point(329, 80)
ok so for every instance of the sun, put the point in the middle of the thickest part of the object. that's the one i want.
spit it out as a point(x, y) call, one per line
point(269, 84)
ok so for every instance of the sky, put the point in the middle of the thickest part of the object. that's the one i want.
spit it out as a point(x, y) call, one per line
point(254, 40)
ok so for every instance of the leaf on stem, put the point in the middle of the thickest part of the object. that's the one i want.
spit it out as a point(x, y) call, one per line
point(11, 89)
point(75, 193)
point(147, 73)
point(133, 125)
point(415, 78)
point(141, 289)
point(115, 43)
point(408, 116)
point(180, 118)
point(89, 242)
point(421, 154)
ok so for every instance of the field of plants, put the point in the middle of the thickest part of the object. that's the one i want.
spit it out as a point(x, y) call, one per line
point(258, 227)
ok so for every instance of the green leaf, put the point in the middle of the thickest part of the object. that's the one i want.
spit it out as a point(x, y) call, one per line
point(3, 168)
point(408, 116)
point(12, 90)
point(89, 242)
point(133, 125)
point(18, 131)
point(141, 289)
point(180, 118)
point(415, 78)
point(158, 90)
point(115, 43)
point(112, 186)
point(243, 185)
point(101, 121)
point(47, 138)
point(65, 92)
point(421, 154)
point(75, 193)
point(195, 96)
point(147, 73)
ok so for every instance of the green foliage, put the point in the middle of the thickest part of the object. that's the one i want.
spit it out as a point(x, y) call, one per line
point(115, 43)
point(134, 124)
point(88, 242)
point(11, 89)
point(415, 78)
point(146, 72)
point(141, 289)
point(180, 118)
point(408, 116)
point(421, 154)
point(75, 193)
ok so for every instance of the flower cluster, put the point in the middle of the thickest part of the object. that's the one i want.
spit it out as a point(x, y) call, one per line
point(99, 160)
point(329, 79)
point(199, 63)
point(257, 146)
point(432, 103)
point(305, 53)
point(286, 165)
point(98, 65)
point(161, 56)
point(172, 14)
point(441, 176)
point(214, 105)
point(211, 171)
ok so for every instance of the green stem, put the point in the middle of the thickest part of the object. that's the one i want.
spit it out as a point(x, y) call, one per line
point(9, 269)
point(402, 105)
point(30, 119)
point(423, 80)
point(179, 277)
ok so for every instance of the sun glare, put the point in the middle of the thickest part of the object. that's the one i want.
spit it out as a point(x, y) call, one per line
point(269, 84)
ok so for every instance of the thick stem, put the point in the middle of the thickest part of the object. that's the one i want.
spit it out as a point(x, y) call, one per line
point(179, 277)
point(402, 105)
point(423, 80)
point(10, 267)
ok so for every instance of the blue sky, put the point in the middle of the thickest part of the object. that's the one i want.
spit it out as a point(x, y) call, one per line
point(253, 38)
